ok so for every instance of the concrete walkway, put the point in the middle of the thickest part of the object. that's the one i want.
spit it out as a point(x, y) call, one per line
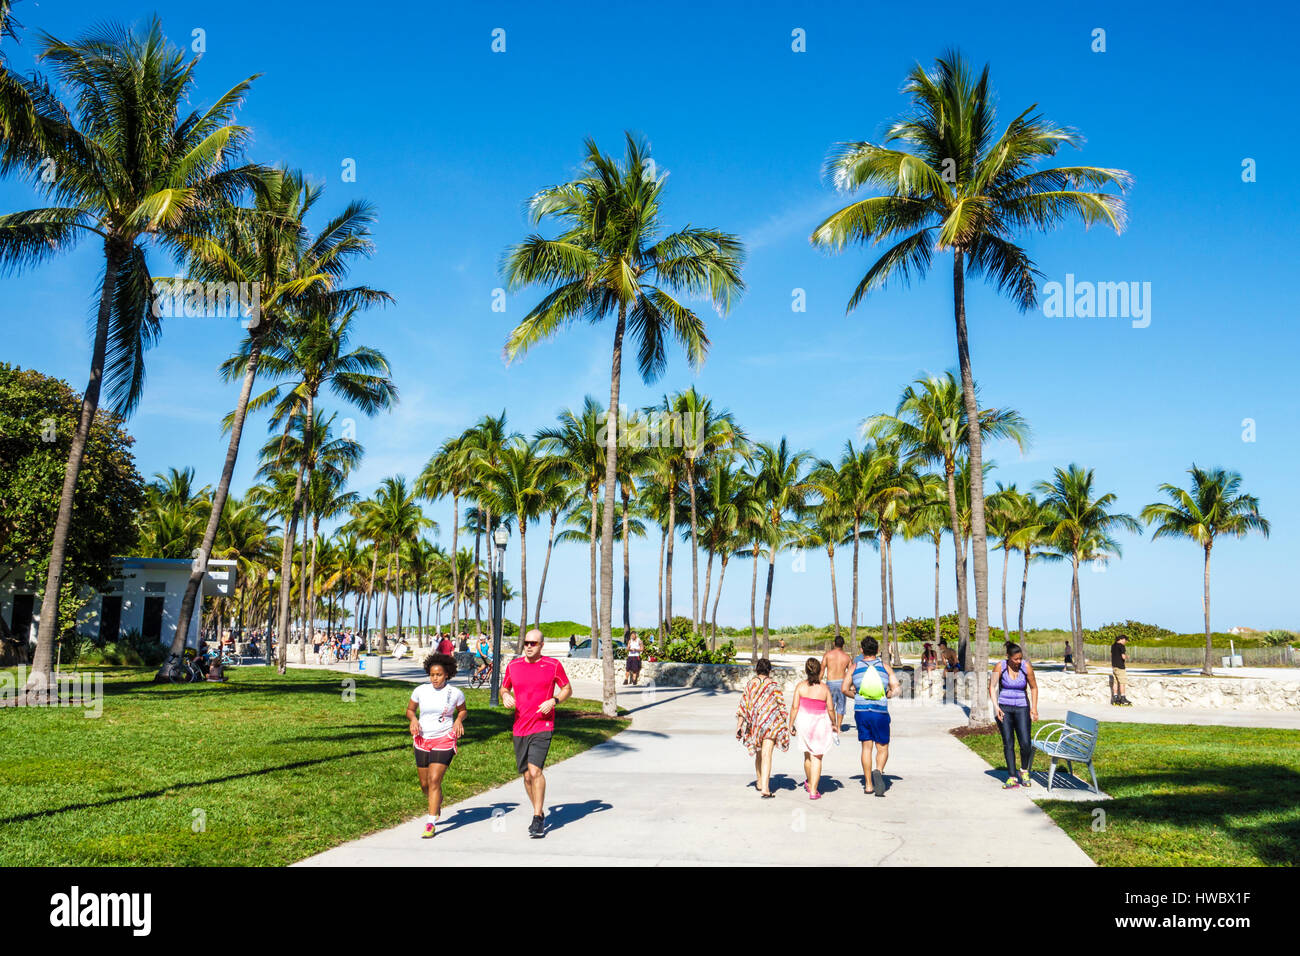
point(677, 788)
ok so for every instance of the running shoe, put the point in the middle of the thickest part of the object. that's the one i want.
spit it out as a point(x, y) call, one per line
point(537, 828)
point(1025, 780)
point(1011, 784)
point(878, 782)
point(428, 831)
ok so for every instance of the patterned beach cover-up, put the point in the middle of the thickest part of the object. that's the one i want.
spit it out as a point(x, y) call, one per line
point(762, 714)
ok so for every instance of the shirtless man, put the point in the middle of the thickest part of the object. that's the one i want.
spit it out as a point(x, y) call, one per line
point(835, 664)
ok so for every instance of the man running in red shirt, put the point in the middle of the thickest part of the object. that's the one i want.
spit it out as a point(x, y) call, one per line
point(534, 686)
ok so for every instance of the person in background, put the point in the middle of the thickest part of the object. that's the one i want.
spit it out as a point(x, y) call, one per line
point(928, 657)
point(812, 725)
point(445, 645)
point(950, 665)
point(761, 724)
point(1069, 656)
point(835, 664)
point(483, 655)
point(634, 650)
point(1014, 692)
point(1118, 671)
point(573, 642)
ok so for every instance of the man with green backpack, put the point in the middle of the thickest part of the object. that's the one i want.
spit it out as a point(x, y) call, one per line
point(872, 682)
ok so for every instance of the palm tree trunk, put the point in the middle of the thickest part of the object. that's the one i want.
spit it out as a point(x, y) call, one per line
point(753, 602)
point(302, 578)
point(1024, 589)
point(1208, 670)
point(853, 619)
point(895, 659)
point(835, 601)
point(546, 566)
point(286, 573)
point(455, 583)
point(311, 583)
point(767, 602)
point(937, 539)
point(595, 607)
point(663, 539)
point(1076, 624)
point(190, 599)
point(1006, 559)
point(383, 605)
point(959, 564)
point(627, 571)
point(708, 586)
point(523, 583)
point(610, 694)
point(478, 608)
point(884, 596)
point(40, 679)
point(722, 573)
point(668, 566)
point(695, 548)
point(979, 546)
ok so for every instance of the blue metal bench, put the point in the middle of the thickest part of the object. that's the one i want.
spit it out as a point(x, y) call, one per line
point(1073, 741)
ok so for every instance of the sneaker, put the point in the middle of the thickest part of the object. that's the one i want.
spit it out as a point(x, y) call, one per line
point(537, 828)
point(1025, 780)
point(428, 831)
point(878, 782)
point(1011, 784)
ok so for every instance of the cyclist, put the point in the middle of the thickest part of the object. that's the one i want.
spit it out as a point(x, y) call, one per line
point(484, 657)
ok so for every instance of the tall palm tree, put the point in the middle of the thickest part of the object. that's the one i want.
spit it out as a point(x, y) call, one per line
point(1214, 507)
point(855, 486)
point(484, 443)
point(577, 441)
point(396, 516)
point(131, 169)
point(1081, 525)
point(895, 483)
point(949, 183)
point(555, 486)
point(932, 424)
point(927, 517)
point(730, 507)
point(1028, 529)
point(611, 258)
point(449, 472)
point(784, 489)
point(270, 247)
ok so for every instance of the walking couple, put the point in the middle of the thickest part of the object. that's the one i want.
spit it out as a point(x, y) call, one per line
point(763, 724)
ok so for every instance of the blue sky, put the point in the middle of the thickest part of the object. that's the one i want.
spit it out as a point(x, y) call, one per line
point(450, 138)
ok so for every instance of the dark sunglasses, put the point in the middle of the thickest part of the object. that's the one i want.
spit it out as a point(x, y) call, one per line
point(531, 643)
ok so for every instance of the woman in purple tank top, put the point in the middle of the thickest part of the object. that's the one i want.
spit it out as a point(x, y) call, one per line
point(1014, 691)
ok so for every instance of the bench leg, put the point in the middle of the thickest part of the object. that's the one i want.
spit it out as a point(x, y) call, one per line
point(1093, 774)
point(1070, 767)
point(1051, 772)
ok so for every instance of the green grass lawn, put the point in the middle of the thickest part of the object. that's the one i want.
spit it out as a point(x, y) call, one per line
point(276, 768)
point(1185, 796)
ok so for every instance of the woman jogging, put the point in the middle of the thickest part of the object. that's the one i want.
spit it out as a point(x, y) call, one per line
point(812, 724)
point(439, 725)
point(1014, 691)
point(761, 724)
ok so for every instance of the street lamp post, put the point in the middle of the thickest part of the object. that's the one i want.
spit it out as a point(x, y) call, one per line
point(270, 610)
point(501, 536)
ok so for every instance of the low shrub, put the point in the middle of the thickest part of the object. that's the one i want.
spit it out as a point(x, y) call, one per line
point(692, 649)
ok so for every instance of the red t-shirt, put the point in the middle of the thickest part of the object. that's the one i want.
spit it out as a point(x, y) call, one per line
point(532, 684)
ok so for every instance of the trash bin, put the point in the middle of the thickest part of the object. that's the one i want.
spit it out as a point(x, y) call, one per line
point(372, 665)
point(906, 675)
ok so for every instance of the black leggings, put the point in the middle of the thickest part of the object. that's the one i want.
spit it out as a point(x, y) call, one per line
point(1015, 721)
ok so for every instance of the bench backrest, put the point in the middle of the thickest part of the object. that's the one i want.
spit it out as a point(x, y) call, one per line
point(1086, 724)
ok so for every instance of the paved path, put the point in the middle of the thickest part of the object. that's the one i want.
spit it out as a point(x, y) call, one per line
point(676, 788)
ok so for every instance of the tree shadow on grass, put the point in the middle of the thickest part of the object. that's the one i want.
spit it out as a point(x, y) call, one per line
point(189, 785)
point(1233, 800)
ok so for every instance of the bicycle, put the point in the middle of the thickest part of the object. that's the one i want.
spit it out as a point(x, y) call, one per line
point(480, 678)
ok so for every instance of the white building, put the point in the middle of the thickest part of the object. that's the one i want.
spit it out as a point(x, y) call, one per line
point(145, 596)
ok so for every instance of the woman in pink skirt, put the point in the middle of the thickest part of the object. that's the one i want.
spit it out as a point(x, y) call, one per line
point(812, 724)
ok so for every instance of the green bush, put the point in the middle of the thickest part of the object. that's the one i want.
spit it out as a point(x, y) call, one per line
point(1138, 633)
point(1278, 638)
point(691, 650)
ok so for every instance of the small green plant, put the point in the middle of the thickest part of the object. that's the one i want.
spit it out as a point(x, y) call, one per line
point(692, 649)
point(1278, 638)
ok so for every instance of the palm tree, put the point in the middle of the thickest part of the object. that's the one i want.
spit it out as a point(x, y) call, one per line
point(449, 472)
point(394, 513)
point(855, 485)
point(611, 259)
point(784, 489)
point(577, 441)
point(130, 168)
point(325, 499)
point(555, 486)
point(484, 444)
point(932, 424)
point(1028, 527)
point(895, 483)
point(1080, 523)
point(953, 185)
point(1215, 506)
point(927, 517)
point(269, 246)
point(730, 506)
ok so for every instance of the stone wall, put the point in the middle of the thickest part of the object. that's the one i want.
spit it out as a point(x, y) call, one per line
point(1069, 690)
